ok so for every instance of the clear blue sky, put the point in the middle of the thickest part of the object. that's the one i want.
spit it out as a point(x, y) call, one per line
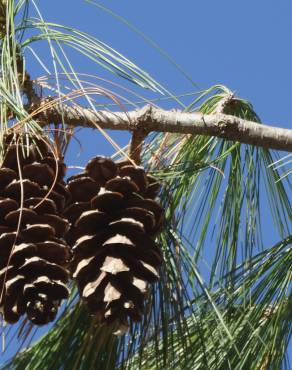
point(245, 45)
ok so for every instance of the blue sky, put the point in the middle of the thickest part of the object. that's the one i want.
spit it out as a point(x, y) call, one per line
point(243, 45)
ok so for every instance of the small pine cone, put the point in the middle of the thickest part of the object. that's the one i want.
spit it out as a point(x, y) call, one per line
point(33, 253)
point(114, 222)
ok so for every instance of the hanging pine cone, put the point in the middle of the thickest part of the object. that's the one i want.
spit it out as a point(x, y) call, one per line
point(115, 220)
point(33, 253)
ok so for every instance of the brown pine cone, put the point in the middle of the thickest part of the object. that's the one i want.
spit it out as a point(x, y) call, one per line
point(33, 253)
point(114, 222)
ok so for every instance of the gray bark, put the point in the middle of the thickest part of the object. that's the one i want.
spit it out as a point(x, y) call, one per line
point(149, 119)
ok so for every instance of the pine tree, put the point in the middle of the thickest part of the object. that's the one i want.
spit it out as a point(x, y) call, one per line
point(162, 243)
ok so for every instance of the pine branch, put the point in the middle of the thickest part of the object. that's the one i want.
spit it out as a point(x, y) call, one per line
point(150, 119)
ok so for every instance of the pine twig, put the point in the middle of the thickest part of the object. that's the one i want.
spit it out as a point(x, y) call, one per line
point(154, 119)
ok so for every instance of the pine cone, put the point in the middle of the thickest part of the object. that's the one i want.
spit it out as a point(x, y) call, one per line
point(115, 220)
point(33, 253)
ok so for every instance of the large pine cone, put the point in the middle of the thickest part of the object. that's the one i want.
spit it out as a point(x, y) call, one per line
point(33, 253)
point(115, 220)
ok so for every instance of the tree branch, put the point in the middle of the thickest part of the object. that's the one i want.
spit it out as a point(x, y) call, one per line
point(150, 119)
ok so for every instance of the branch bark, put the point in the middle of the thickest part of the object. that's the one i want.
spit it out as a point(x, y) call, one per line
point(151, 119)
